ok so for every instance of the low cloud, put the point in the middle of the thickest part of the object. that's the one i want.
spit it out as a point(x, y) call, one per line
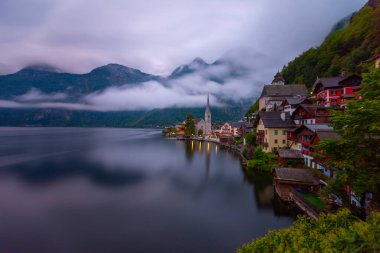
point(35, 95)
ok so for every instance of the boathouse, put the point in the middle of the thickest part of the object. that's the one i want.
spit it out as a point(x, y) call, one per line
point(285, 179)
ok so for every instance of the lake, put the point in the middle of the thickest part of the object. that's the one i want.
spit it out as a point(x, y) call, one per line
point(127, 190)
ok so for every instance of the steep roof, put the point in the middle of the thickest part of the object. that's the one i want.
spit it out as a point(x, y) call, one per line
point(329, 82)
point(314, 127)
point(274, 120)
point(289, 90)
point(289, 153)
point(296, 175)
point(296, 100)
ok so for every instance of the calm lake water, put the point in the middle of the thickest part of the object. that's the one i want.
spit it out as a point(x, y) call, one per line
point(127, 190)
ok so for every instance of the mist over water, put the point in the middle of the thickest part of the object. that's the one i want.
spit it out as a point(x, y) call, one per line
point(127, 190)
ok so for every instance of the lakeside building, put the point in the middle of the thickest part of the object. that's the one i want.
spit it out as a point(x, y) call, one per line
point(275, 93)
point(312, 114)
point(290, 158)
point(306, 136)
point(272, 130)
point(290, 104)
point(336, 91)
point(285, 179)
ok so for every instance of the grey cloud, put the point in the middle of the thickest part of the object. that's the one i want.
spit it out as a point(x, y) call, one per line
point(157, 36)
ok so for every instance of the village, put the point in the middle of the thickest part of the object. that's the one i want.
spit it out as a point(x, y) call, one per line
point(287, 125)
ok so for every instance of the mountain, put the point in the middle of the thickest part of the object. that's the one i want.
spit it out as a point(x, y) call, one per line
point(346, 50)
point(196, 65)
point(48, 79)
point(39, 83)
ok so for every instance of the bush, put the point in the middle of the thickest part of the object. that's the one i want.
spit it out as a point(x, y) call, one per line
point(262, 161)
point(338, 232)
point(245, 152)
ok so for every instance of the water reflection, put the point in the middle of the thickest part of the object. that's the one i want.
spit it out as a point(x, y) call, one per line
point(134, 185)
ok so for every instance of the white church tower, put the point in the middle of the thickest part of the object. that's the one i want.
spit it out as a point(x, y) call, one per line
point(208, 117)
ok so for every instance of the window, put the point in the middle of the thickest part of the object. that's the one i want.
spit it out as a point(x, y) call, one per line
point(275, 132)
point(333, 92)
point(283, 141)
point(283, 132)
point(275, 141)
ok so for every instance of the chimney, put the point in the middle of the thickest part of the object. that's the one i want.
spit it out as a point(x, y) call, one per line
point(283, 116)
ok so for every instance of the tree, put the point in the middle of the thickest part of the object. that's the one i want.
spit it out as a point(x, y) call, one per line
point(338, 232)
point(189, 125)
point(250, 138)
point(357, 153)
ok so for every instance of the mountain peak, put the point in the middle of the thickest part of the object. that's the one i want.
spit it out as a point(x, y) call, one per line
point(41, 67)
point(199, 60)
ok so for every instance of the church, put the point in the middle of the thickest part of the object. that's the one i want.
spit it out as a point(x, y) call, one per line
point(205, 124)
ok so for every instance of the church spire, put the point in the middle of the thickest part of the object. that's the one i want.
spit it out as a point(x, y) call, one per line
point(208, 117)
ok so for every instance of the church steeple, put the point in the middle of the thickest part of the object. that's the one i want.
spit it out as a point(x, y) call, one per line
point(278, 79)
point(208, 116)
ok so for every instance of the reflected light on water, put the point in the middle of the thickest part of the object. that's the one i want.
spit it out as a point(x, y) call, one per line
point(192, 146)
point(208, 148)
point(216, 149)
point(200, 147)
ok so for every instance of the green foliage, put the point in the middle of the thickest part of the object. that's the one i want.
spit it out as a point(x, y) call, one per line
point(189, 125)
point(245, 152)
point(262, 161)
point(253, 108)
point(338, 232)
point(250, 138)
point(358, 149)
point(344, 50)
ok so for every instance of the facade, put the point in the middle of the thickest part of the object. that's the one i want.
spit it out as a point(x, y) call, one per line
point(335, 91)
point(309, 135)
point(272, 96)
point(208, 130)
point(272, 130)
point(200, 124)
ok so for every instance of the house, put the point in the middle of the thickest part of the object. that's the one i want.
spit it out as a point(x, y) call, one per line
point(312, 114)
point(272, 130)
point(318, 163)
point(290, 158)
point(290, 104)
point(274, 94)
point(285, 179)
point(301, 139)
point(335, 91)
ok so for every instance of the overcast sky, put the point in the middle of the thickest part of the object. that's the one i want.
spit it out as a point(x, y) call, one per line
point(158, 35)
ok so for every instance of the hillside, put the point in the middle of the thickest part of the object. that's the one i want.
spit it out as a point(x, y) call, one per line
point(346, 50)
